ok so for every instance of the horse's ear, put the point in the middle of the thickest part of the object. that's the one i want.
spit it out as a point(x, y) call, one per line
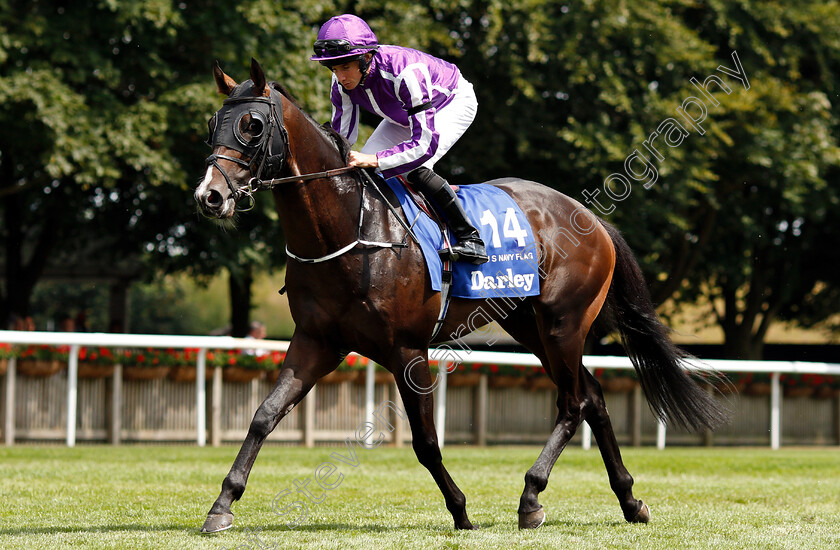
point(258, 78)
point(224, 83)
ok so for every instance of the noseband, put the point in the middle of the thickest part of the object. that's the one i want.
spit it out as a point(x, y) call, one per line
point(267, 151)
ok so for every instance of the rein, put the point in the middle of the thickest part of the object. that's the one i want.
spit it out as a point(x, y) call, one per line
point(256, 184)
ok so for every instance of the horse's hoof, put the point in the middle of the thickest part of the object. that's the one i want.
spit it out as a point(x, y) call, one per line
point(643, 515)
point(531, 520)
point(217, 522)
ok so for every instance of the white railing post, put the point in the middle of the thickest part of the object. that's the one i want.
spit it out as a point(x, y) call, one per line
point(660, 434)
point(116, 404)
point(775, 410)
point(481, 404)
point(201, 398)
point(370, 380)
point(586, 437)
point(72, 393)
point(216, 407)
point(440, 406)
point(11, 382)
point(309, 404)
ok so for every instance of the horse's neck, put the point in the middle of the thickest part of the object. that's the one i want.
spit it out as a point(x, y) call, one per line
point(318, 216)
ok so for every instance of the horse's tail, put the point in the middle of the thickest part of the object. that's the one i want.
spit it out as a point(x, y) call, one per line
point(672, 393)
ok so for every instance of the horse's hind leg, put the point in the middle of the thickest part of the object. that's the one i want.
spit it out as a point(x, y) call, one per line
point(569, 416)
point(306, 361)
point(523, 325)
point(579, 398)
point(560, 349)
point(419, 406)
point(621, 482)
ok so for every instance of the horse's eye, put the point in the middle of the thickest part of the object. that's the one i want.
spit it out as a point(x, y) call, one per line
point(255, 127)
point(251, 127)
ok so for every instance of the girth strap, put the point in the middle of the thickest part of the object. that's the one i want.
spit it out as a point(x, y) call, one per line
point(445, 292)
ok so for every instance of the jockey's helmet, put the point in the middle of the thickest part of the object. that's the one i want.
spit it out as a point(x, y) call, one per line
point(342, 39)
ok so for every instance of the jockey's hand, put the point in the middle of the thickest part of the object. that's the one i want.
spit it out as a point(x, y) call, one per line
point(362, 160)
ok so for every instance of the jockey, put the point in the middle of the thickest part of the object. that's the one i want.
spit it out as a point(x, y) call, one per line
point(425, 103)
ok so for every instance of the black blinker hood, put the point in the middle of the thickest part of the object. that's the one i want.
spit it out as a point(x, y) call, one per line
point(267, 152)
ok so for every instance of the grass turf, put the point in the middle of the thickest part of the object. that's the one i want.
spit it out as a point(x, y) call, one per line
point(157, 497)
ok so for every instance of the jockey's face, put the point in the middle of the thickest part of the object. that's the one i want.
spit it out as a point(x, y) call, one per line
point(348, 74)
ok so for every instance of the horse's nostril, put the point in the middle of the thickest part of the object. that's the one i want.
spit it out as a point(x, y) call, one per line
point(214, 199)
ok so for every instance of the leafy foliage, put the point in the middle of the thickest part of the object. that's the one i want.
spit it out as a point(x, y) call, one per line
point(739, 214)
point(43, 353)
point(269, 360)
point(104, 107)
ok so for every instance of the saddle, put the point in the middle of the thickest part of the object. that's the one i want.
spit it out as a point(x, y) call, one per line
point(512, 271)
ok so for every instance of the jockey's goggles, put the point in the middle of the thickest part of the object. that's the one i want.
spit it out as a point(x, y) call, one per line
point(337, 47)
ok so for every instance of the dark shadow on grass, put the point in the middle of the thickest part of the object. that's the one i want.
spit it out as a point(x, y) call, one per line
point(372, 528)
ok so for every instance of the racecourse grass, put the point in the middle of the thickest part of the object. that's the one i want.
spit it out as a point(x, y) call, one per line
point(157, 496)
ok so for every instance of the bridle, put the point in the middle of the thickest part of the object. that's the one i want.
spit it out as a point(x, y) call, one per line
point(267, 151)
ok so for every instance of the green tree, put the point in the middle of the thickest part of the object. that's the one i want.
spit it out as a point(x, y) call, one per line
point(773, 205)
point(104, 108)
point(575, 89)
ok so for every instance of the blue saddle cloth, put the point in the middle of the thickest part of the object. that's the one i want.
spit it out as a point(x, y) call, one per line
point(512, 269)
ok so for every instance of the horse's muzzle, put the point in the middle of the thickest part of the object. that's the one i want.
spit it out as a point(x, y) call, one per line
point(214, 204)
point(215, 199)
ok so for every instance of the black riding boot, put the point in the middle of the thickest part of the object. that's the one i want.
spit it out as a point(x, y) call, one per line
point(469, 246)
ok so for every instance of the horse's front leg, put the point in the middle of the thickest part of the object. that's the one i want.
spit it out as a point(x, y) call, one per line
point(306, 361)
point(415, 384)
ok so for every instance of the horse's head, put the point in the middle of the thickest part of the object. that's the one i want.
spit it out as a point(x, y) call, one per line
point(249, 142)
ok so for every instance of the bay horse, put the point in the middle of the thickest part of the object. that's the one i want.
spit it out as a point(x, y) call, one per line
point(350, 295)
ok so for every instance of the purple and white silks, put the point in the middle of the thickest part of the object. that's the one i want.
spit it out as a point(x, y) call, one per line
point(399, 80)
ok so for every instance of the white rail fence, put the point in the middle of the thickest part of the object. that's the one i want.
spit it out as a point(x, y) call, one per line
point(204, 343)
